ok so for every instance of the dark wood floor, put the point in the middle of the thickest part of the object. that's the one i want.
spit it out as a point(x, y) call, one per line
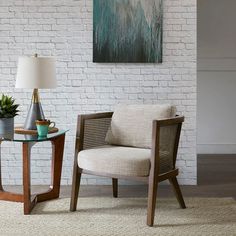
point(216, 178)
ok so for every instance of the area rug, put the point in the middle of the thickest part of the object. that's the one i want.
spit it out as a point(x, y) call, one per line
point(99, 216)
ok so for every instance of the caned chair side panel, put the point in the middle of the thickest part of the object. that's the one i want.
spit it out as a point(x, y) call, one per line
point(168, 135)
point(95, 132)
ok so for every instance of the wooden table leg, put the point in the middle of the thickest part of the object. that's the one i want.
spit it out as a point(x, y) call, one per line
point(57, 159)
point(58, 150)
point(5, 195)
point(54, 191)
point(29, 203)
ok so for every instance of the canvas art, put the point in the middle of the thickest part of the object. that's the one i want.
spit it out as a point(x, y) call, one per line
point(127, 31)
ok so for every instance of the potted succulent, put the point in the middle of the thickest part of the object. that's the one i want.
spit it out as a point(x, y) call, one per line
point(8, 110)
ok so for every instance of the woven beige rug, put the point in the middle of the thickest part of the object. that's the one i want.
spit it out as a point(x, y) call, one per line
point(122, 216)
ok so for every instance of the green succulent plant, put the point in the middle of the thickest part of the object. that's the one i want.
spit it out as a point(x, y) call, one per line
point(8, 108)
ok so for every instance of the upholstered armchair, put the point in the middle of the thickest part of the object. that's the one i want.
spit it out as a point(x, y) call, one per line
point(137, 142)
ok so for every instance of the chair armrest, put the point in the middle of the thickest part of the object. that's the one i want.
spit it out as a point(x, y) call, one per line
point(165, 140)
point(170, 121)
point(91, 130)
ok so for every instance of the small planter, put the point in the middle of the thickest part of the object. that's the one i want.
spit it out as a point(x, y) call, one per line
point(6, 127)
point(8, 110)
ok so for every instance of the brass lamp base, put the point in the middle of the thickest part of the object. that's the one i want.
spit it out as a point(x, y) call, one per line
point(35, 112)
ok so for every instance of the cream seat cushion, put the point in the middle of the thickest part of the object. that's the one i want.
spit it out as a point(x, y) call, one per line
point(131, 125)
point(119, 160)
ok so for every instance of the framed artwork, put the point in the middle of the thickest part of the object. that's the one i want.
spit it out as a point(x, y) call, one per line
point(127, 31)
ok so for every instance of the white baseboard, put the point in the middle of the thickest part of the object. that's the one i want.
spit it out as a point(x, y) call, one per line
point(216, 149)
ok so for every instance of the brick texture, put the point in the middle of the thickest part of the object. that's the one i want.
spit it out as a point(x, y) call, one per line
point(63, 28)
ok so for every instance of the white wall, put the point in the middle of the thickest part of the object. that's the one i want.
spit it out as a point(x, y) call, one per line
point(64, 28)
point(216, 84)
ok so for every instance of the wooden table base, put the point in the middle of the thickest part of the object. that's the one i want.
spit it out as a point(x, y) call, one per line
point(27, 198)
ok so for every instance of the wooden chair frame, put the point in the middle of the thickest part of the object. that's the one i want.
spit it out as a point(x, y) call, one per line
point(154, 176)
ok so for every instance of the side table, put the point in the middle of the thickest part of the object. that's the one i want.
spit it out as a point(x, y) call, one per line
point(57, 139)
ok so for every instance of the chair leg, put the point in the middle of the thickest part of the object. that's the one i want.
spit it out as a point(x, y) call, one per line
point(152, 195)
point(177, 191)
point(115, 187)
point(75, 188)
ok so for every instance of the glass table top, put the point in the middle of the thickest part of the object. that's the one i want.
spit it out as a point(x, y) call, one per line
point(29, 137)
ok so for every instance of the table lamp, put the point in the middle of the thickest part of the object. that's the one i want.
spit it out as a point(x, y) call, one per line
point(35, 73)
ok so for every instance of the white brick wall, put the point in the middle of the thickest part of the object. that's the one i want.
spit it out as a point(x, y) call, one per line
point(63, 28)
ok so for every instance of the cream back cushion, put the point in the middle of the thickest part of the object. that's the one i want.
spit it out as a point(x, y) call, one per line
point(131, 125)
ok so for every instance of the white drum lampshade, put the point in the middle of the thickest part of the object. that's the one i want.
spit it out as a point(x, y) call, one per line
point(35, 73)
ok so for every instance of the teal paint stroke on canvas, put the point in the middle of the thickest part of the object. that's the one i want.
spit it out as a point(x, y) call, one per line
point(127, 31)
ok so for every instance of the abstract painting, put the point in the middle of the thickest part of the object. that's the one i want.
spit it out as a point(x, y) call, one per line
point(127, 31)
